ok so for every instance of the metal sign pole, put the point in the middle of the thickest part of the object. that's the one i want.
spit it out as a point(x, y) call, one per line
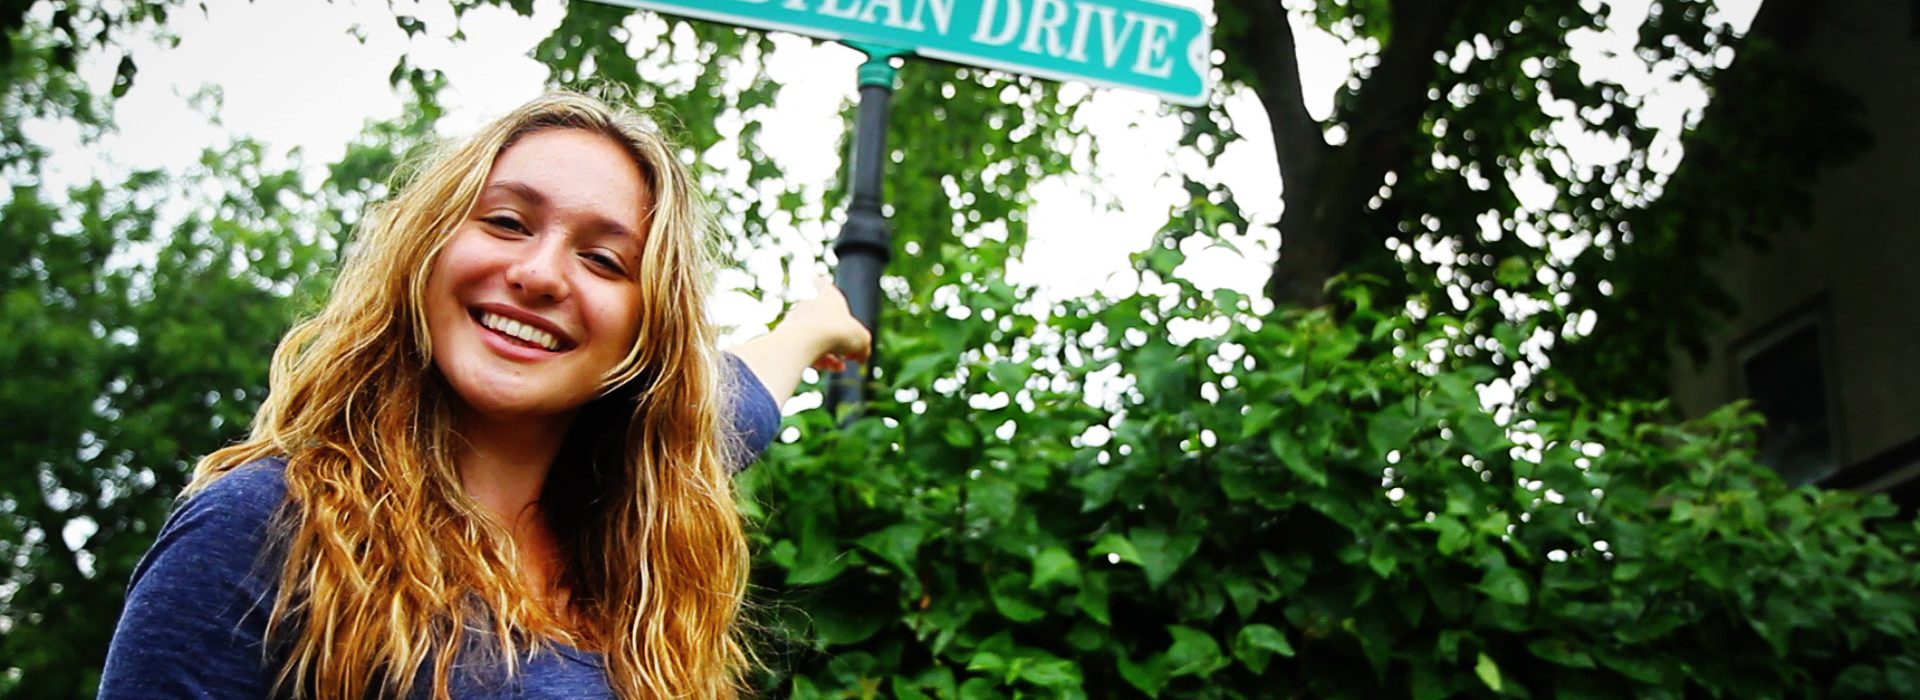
point(866, 243)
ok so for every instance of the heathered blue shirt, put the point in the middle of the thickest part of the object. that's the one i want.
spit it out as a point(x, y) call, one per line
point(199, 601)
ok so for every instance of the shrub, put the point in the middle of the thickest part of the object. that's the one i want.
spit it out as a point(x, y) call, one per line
point(1296, 505)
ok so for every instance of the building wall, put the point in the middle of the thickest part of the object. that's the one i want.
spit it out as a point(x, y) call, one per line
point(1855, 270)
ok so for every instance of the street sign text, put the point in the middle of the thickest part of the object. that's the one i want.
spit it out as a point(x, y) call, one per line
point(1159, 46)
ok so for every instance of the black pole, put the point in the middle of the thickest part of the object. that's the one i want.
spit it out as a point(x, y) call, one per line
point(866, 243)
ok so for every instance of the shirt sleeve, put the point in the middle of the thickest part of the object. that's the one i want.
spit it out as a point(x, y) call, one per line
point(755, 417)
point(197, 607)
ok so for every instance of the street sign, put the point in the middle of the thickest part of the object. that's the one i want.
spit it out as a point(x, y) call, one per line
point(1157, 46)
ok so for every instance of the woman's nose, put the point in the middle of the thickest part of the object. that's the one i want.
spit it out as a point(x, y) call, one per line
point(539, 275)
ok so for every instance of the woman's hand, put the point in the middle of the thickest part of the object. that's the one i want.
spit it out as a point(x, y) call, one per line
point(826, 327)
point(820, 332)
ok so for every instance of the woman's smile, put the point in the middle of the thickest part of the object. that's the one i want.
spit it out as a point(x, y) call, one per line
point(520, 329)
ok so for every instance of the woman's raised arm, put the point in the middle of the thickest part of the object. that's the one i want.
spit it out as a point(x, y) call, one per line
point(820, 332)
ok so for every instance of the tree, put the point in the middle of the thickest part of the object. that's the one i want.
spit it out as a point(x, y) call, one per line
point(1458, 102)
point(133, 342)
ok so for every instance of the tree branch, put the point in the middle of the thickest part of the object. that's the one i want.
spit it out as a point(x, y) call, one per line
point(1265, 44)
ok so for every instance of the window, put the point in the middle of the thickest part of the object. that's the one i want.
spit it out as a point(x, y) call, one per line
point(1785, 375)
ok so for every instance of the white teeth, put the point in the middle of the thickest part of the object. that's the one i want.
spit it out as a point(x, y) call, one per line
point(519, 330)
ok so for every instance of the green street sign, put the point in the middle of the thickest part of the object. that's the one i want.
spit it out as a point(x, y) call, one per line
point(1157, 46)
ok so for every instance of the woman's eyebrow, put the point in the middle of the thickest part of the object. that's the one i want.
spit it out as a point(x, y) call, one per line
point(520, 189)
point(609, 227)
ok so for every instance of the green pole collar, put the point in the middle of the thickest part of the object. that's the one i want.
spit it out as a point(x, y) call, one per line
point(878, 70)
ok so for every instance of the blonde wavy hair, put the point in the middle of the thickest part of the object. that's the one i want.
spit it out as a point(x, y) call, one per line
point(391, 571)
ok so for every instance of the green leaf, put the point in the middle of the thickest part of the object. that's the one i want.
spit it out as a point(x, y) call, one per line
point(1093, 597)
point(1150, 676)
point(1009, 597)
point(1054, 673)
point(1903, 677)
point(1482, 435)
point(903, 691)
point(919, 367)
point(1560, 651)
point(1447, 644)
point(1247, 594)
point(1118, 545)
point(1453, 535)
point(1513, 272)
point(981, 688)
point(1295, 458)
point(994, 496)
point(1632, 664)
point(1008, 376)
point(1098, 487)
point(1507, 585)
point(1390, 429)
point(988, 662)
point(1256, 644)
point(1193, 653)
point(1228, 299)
point(123, 75)
point(1488, 672)
point(1382, 559)
point(1428, 683)
point(1163, 259)
point(842, 621)
point(1161, 554)
point(960, 433)
point(1260, 417)
point(1054, 565)
point(938, 679)
point(897, 544)
point(817, 558)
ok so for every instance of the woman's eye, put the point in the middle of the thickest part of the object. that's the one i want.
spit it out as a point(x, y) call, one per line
point(607, 262)
point(504, 222)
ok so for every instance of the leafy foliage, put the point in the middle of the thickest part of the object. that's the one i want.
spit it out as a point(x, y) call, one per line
point(127, 358)
point(1296, 505)
point(136, 340)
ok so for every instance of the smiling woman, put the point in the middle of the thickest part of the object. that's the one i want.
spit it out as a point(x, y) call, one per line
point(497, 462)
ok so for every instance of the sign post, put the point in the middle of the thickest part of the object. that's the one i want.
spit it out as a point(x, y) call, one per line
point(866, 242)
point(1156, 46)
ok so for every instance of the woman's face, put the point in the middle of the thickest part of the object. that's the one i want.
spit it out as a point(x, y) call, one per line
point(533, 303)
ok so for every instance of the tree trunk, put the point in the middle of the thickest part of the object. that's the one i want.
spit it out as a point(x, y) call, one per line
point(1327, 187)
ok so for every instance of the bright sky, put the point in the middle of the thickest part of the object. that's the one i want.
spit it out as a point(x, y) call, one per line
point(294, 76)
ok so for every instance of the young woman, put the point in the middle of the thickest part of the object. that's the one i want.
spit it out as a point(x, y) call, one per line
point(497, 462)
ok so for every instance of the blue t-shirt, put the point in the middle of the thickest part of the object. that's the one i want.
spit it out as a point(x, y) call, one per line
point(198, 604)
